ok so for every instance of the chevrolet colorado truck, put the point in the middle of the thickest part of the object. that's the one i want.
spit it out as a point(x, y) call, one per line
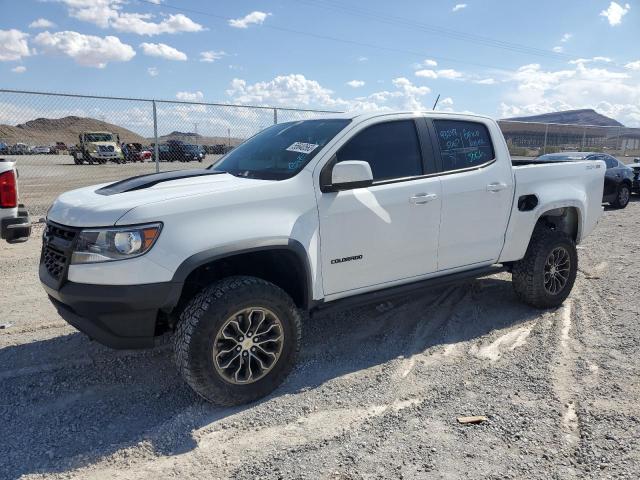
point(15, 224)
point(302, 217)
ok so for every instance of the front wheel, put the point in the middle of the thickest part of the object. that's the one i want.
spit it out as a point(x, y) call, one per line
point(545, 276)
point(623, 196)
point(237, 340)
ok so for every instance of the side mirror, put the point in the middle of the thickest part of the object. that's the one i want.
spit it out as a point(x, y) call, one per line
point(350, 174)
point(636, 160)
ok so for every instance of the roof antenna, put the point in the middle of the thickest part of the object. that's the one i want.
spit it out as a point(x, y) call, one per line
point(436, 104)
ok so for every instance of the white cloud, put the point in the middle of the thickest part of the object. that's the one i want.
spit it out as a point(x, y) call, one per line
point(211, 56)
point(535, 91)
point(140, 24)
point(253, 18)
point(19, 69)
point(87, 50)
point(447, 73)
point(190, 96)
point(447, 101)
point(162, 50)
point(108, 13)
point(153, 71)
point(355, 83)
point(430, 63)
point(558, 49)
point(578, 61)
point(42, 23)
point(13, 45)
point(633, 65)
point(615, 12)
point(98, 12)
point(486, 81)
point(363, 59)
point(296, 89)
point(566, 37)
point(426, 73)
point(459, 6)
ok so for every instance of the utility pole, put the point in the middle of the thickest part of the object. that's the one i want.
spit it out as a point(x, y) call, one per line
point(195, 125)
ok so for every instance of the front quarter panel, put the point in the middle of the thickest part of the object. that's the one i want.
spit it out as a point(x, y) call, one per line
point(269, 214)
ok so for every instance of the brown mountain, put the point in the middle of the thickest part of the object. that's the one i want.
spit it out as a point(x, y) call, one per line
point(586, 116)
point(46, 131)
point(196, 138)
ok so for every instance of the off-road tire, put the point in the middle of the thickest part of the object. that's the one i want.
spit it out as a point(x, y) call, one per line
point(622, 200)
point(206, 313)
point(528, 273)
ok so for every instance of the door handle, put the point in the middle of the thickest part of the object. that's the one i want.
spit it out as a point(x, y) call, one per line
point(496, 187)
point(422, 198)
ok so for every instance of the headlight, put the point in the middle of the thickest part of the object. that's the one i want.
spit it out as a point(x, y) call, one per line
point(108, 244)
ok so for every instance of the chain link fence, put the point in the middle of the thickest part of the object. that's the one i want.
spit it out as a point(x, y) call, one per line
point(529, 139)
point(62, 142)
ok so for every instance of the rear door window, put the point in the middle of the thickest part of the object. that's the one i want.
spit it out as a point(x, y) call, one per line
point(463, 144)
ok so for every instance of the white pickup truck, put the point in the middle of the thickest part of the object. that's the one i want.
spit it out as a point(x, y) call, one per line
point(304, 216)
point(15, 225)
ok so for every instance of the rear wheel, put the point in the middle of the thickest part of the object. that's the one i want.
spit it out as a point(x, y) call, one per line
point(622, 197)
point(545, 276)
point(237, 340)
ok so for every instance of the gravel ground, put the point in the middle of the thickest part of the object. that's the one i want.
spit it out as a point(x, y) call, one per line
point(376, 393)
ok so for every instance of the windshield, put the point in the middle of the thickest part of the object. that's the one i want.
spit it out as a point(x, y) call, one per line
point(99, 137)
point(562, 157)
point(192, 148)
point(280, 151)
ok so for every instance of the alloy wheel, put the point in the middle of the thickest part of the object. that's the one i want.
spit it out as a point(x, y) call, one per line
point(556, 270)
point(248, 345)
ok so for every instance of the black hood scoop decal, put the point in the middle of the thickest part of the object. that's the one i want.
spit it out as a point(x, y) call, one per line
point(145, 181)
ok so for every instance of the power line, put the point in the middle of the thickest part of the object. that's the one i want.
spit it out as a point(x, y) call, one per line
point(434, 29)
point(326, 37)
point(393, 20)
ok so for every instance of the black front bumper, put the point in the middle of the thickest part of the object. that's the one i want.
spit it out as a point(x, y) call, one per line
point(118, 316)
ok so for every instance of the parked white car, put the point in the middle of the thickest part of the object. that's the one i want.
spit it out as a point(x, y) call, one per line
point(305, 216)
point(40, 150)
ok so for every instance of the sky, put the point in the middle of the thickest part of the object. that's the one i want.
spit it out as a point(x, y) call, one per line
point(497, 58)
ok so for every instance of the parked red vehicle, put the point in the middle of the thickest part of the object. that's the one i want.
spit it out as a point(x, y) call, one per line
point(134, 152)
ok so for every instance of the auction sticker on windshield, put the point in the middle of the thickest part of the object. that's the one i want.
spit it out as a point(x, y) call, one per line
point(302, 147)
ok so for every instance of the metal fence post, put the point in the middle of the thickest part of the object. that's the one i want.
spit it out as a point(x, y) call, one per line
point(546, 132)
point(584, 139)
point(620, 142)
point(156, 151)
point(275, 116)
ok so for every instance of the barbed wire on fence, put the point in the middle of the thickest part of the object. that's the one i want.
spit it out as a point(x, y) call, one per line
point(93, 139)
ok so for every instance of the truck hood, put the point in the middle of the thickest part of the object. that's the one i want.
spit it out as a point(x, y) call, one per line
point(103, 205)
point(104, 144)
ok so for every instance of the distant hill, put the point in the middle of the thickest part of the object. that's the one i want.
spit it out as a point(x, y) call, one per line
point(190, 137)
point(45, 131)
point(585, 116)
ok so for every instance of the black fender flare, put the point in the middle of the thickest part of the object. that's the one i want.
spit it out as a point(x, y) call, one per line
point(249, 246)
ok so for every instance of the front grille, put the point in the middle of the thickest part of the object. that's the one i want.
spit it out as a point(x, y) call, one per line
point(60, 232)
point(57, 246)
point(54, 261)
point(106, 148)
